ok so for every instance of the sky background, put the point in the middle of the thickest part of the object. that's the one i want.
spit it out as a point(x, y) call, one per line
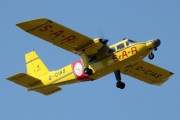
point(140, 20)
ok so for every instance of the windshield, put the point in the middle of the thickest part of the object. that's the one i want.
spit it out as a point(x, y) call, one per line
point(130, 42)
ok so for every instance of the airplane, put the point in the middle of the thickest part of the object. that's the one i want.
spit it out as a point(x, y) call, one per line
point(97, 59)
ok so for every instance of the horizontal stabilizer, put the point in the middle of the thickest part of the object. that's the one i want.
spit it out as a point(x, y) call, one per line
point(48, 90)
point(24, 79)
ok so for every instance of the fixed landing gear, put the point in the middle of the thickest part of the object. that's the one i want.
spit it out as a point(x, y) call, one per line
point(151, 55)
point(119, 83)
point(155, 49)
point(85, 60)
point(88, 71)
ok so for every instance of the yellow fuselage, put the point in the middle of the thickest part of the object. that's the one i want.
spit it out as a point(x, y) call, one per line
point(110, 62)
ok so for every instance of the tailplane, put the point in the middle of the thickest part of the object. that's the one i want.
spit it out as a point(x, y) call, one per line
point(30, 82)
point(35, 66)
point(35, 69)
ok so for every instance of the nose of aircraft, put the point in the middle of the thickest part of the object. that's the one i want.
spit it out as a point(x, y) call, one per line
point(156, 42)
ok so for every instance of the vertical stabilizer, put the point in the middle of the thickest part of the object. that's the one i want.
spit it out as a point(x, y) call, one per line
point(35, 66)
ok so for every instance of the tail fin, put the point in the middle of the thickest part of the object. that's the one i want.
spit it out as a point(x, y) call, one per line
point(35, 66)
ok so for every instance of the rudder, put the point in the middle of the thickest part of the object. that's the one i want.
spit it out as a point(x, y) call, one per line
point(35, 66)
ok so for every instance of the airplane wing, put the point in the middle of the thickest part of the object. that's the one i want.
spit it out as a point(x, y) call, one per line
point(147, 72)
point(59, 35)
point(24, 79)
point(49, 90)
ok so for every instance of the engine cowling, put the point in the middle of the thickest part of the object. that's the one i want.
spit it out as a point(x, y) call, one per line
point(97, 45)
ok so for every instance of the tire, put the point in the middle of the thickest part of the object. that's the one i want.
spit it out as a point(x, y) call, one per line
point(151, 56)
point(120, 85)
point(88, 71)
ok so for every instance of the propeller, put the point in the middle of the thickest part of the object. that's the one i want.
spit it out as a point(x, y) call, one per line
point(102, 40)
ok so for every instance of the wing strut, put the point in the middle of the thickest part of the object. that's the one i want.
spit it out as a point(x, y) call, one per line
point(119, 83)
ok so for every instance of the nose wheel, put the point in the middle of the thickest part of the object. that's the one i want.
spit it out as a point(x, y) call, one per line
point(119, 83)
point(151, 55)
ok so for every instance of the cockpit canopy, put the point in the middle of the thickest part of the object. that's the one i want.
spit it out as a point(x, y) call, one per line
point(130, 42)
point(119, 46)
point(114, 48)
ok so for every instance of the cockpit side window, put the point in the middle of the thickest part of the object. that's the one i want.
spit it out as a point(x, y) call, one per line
point(111, 50)
point(129, 42)
point(120, 46)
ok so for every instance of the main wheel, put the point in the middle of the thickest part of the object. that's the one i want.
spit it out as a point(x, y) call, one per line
point(151, 56)
point(88, 71)
point(120, 85)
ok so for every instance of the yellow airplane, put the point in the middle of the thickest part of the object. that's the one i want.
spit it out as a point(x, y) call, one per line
point(97, 59)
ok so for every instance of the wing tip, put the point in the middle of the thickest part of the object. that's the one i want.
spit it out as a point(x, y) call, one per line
point(48, 92)
point(15, 76)
point(171, 73)
point(31, 24)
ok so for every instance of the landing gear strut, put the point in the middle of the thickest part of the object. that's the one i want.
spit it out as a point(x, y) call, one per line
point(119, 84)
point(85, 59)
